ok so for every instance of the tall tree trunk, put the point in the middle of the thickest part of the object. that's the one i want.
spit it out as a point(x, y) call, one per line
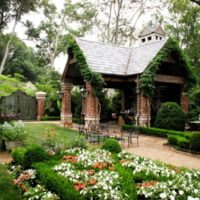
point(3, 62)
point(53, 54)
point(118, 14)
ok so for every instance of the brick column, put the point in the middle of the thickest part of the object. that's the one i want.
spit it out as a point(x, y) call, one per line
point(184, 102)
point(91, 107)
point(40, 97)
point(66, 113)
point(145, 113)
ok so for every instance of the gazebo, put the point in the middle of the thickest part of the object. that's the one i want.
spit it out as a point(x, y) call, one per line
point(156, 71)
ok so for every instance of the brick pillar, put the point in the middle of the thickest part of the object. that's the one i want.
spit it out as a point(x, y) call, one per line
point(40, 97)
point(66, 113)
point(184, 102)
point(91, 107)
point(145, 113)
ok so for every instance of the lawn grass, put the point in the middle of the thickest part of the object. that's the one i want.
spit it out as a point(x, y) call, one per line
point(38, 133)
point(7, 189)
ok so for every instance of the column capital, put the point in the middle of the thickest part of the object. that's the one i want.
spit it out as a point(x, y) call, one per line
point(40, 95)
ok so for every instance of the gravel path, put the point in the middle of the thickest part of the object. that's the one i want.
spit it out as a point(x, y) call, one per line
point(154, 148)
point(5, 157)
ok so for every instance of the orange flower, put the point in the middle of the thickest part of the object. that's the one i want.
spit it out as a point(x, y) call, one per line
point(72, 159)
point(91, 182)
point(146, 184)
point(79, 186)
point(123, 161)
point(99, 165)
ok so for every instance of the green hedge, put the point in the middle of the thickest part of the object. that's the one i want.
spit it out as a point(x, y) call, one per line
point(50, 118)
point(195, 142)
point(157, 132)
point(29, 155)
point(56, 183)
point(179, 141)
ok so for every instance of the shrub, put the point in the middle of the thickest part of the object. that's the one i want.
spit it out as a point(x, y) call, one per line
point(170, 116)
point(195, 142)
point(34, 153)
point(179, 141)
point(112, 145)
point(56, 183)
point(18, 155)
point(15, 131)
point(157, 131)
point(172, 139)
point(7, 189)
point(183, 143)
point(50, 118)
point(79, 142)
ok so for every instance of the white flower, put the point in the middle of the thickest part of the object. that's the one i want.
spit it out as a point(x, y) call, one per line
point(181, 192)
point(163, 195)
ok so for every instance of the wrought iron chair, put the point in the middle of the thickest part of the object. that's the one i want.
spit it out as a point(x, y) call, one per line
point(132, 134)
point(93, 134)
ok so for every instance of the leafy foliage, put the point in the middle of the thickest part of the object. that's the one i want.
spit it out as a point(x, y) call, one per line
point(21, 59)
point(51, 35)
point(147, 82)
point(9, 85)
point(170, 116)
point(13, 131)
point(94, 78)
point(34, 153)
point(195, 142)
point(56, 183)
point(185, 27)
point(7, 188)
point(112, 145)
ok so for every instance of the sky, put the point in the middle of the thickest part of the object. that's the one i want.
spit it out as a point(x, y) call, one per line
point(62, 59)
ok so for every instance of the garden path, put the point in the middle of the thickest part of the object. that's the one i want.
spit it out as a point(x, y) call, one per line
point(154, 148)
point(5, 157)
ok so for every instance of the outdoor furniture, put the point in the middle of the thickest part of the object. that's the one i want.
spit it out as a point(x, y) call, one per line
point(103, 131)
point(119, 136)
point(130, 135)
point(82, 130)
point(92, 135)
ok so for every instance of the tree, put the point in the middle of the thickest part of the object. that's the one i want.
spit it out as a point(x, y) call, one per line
point(186, 1)
point(185, 27)
point(21, 59)
point(5, 15)
point(117, 19)
point(17, 8)
point(52, 33)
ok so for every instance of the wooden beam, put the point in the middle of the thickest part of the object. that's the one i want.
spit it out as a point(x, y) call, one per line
point(119, 79)
point(169, 79)
point(72, 61)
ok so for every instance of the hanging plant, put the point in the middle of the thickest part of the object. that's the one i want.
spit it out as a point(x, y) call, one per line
point(147, 81)
point(94, 78)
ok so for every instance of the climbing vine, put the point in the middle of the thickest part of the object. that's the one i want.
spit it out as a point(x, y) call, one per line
point(147, 82)
point(94, 78)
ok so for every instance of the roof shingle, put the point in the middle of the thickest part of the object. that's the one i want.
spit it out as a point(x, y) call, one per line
point(116, 60)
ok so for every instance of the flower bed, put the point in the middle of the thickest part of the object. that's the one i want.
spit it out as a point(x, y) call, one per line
point(169, 184)
point(92, 174)
point(29, 186)
point(98, 174)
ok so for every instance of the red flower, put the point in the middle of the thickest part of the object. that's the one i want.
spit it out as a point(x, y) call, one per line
point(79, 186)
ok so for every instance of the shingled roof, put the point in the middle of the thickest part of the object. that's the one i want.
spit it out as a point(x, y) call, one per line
point(152, 28)
point(117, 60)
